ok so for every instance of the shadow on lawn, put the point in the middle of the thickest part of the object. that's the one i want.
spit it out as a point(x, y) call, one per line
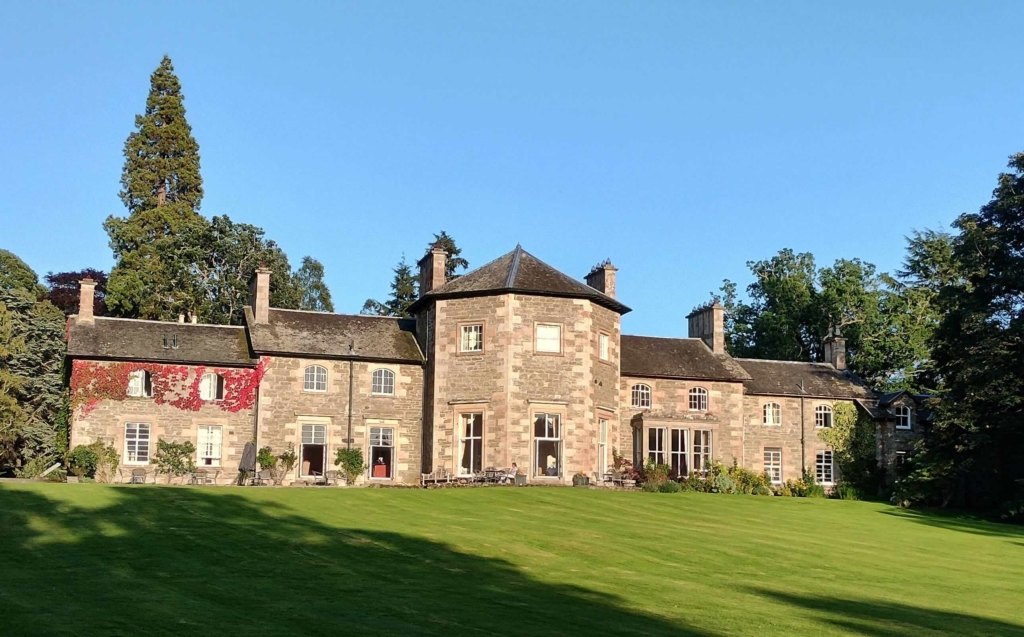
point(960, 522)
point(187, 561)
point(890, 619)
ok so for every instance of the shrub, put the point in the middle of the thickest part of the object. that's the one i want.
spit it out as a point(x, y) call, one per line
point(722, 483)
point(649, 487)
point(174, 458)
point(846, 491)
point(351, 463)
point(107, 461)
point(745, 479)
point(266, 459)
point(655, 473)
point(669, 487)
point(761, 490)
point(783, 490)
point(36, 466)
point(82, 461)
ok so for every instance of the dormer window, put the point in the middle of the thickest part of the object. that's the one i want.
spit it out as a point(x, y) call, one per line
point(140, 384)
point(211, 387)
point(903, 417)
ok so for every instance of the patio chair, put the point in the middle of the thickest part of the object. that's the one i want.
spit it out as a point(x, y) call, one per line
point(326, 478)
point(261, 478)
point(138, 476)
point(198, 477)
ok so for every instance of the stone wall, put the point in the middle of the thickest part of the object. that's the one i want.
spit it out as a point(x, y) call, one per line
point(670, 409)
point(106, 422)
point(284, 406)
point(510, 383)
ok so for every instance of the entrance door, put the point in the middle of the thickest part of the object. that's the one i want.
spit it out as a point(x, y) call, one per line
point(314, 450)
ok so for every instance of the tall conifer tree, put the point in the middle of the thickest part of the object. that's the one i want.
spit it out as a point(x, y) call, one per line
point(163, 191)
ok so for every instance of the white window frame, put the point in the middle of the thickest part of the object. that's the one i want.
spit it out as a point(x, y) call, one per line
point(771, 414)
point(382, 436)
point(467, 439)
point(471, 338)
point(133, 439)
point(312, 381)
point(602, 346)
point(209, 446)
point(211, 387)
point(679, 454)
point(317, 436)
point(823, 416)
point(703, 445)
point(698, 395)
point(903, 414)
point(137, 381)
point(773, 464)
point(382, 382)
point(543, 345)
point(602, 447)
point(825, 463)
point(640, 396)
point(656, 445)
point(552, 433)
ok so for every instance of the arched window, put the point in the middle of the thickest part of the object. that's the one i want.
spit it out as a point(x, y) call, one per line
point(641, 396)
point(903, 415)
point(315, 378)
point(772, 414)
point(698, 399)
point(823, 416)
point(383, 382)
point(140, 384)
point(211, 387)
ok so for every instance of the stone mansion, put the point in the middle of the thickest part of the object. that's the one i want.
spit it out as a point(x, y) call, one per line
point(514, 362)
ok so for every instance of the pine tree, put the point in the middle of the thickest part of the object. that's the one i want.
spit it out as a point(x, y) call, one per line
point(403, 294)
point(163, 190)
point(455, 261)
point(309, 278)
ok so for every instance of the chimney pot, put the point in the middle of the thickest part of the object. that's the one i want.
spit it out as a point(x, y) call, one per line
point(707, 322)
point(195, 319)
point(86, 296)
point(602, 278)
point(181, 318)
point(259, 295)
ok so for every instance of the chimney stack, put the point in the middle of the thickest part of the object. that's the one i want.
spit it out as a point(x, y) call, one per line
point(602, 278)
point(259, 294)
point(86, 296)
point(707, 322)
point(432, 269)
point(835, 348)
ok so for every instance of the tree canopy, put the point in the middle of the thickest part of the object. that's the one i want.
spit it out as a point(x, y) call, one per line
point(403, 294)
point(64, 293)
point(309, 279)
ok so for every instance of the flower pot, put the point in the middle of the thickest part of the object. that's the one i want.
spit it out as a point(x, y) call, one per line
point(72, 479)
point(580, 481)
point(520, 479)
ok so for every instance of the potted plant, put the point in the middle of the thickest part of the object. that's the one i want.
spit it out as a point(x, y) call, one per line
point(580, 479)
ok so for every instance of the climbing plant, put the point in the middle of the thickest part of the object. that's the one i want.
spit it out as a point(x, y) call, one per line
point(852, 439)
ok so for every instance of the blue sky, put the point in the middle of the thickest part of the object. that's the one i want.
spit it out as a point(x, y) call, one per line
point(679, 139)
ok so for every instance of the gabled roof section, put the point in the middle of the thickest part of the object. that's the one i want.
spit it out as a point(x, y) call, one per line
point(684, 358)
point(325, 335)
point(790, 378)
point(158, 342)
point(519, 272)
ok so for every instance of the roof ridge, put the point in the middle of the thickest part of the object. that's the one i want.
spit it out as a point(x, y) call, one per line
point(775, 360)
point(668, 338)
point(569, 276)
point(513, 269)
point(377, 316)
point(187, 324)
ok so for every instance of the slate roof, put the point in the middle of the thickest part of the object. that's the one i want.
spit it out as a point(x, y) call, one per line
point(522, 273)
point(655, 357)
point(326, 335)
point(139, 340)
point(787, 378)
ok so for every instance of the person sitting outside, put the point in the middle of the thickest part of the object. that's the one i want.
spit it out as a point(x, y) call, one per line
point(511, 475)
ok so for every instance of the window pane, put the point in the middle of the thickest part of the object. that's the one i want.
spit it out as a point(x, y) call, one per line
point(549, 338)
point(472, 338)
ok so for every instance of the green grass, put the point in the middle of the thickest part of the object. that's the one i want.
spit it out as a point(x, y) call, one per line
point(103, 560)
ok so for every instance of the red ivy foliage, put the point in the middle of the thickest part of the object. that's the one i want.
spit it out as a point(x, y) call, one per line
point(93, 382)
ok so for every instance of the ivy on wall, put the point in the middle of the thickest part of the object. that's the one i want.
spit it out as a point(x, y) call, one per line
point(174, 385)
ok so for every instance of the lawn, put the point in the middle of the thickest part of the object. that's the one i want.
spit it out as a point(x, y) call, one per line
point(106, 560)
